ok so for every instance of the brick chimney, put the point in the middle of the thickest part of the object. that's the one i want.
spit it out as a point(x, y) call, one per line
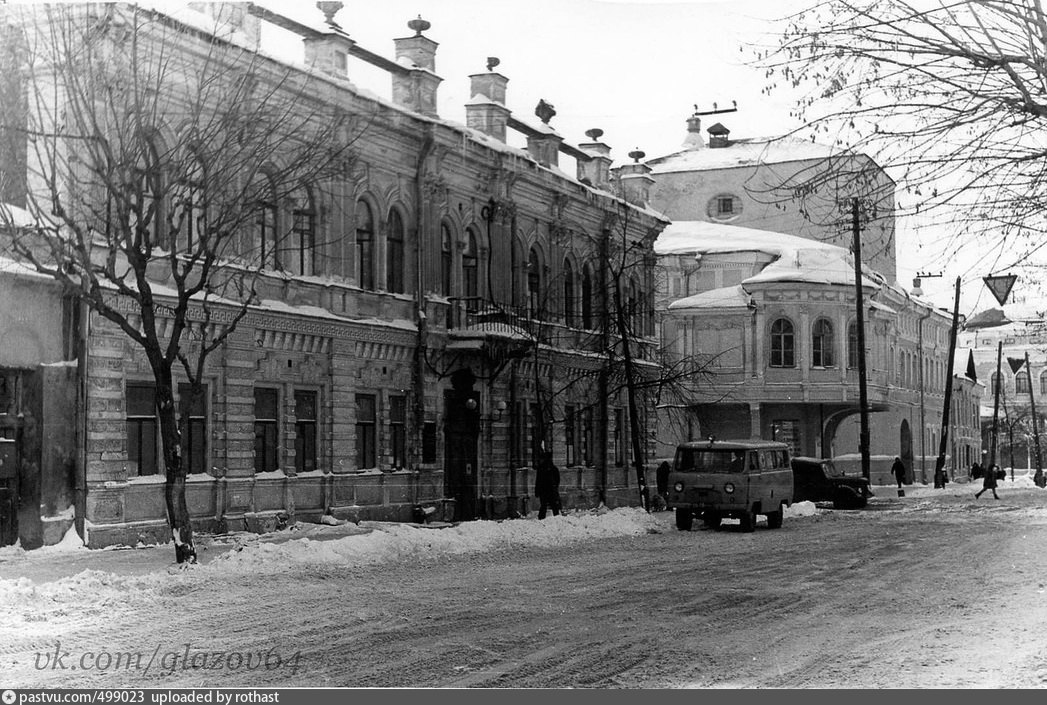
point(597, 171)
point(486, 109)
point(544, 143)
point(416, 90)
point(718, 136)
point(329, 51)
point(635, 180)
point(694, 133)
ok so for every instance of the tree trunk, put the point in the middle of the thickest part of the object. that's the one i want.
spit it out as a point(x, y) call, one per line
point(174, 488)
point(630, 385)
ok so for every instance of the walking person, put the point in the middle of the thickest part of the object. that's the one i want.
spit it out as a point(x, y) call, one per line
point(988, 482)
point(547, 485)
point(898, 470)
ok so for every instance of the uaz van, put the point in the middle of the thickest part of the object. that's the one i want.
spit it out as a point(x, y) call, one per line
point(714, 479)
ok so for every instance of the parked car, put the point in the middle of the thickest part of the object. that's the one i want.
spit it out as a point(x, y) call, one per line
point(740, 479)
point(818, 480)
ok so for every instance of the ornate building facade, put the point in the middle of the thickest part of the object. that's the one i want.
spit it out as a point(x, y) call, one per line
point(762, 302)
point(442, 314)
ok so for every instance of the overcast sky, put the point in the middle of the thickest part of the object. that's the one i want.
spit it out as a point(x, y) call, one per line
point(636, 69)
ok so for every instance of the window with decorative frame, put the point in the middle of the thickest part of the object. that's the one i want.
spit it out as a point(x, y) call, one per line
point(783, 352)
point(364, 246)
point(266, 429)
point(394, 253)
point(822, 343)
point(366, 431)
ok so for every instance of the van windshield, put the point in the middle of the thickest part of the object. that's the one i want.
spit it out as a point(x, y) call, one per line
point(718, 461)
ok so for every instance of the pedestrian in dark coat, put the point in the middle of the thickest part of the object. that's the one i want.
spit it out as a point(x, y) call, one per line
point(898, 469)
point(988, 482)
point(547, 485)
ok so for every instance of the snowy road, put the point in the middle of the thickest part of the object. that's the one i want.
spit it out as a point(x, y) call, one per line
point(934, 590)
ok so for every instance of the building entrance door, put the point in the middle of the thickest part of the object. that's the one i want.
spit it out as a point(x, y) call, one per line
point(461, 435)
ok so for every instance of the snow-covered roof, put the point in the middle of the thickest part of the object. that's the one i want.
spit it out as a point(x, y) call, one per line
point(797, 259)
point(745, 152)
point(728, 297)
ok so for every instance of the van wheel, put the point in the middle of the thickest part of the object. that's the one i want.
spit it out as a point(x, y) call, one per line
point(684, 519)
point(748, 520)
point(712, 521)
point(774, 519)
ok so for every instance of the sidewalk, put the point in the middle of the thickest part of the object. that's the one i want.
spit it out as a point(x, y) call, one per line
point(70, 557)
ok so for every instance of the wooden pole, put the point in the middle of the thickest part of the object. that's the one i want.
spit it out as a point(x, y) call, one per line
point(1032, 408)
point(863, 394)
point(995, 408)
point(939, 464)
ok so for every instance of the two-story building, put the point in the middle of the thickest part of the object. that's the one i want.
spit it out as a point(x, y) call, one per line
point(442, 311)
point(757, 290)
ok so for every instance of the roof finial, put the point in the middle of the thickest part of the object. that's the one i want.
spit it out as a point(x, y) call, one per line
point(330, 9)
point(419, 25)
point(492, 61)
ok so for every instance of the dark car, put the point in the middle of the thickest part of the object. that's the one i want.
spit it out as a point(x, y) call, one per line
point(818, 480)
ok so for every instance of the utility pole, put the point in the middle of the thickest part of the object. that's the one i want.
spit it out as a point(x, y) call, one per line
point(995, 407)
point(1000, 285)
point(1035, 433)
point(939, 464)
point(863, 394)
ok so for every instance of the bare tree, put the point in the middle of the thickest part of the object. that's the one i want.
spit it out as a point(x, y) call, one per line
point(950, 96)
point(154, 154)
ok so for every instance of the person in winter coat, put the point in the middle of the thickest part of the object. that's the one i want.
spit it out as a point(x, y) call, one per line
point(988, 482)
point(898, 470)
point(547, 485)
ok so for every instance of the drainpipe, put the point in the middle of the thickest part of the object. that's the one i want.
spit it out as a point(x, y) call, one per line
point(421, 230)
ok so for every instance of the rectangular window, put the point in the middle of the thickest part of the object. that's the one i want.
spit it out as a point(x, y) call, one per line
point(429, 442)
point(724, 205)
point(619, 436)
point(366, 418)
point(266, 423)
point(398, 431)
point(194, 442)
point(536, 436)
point(303, 242)
point(142, 428)
point(787, 431)
point(569, 435)
point(265, 235)
point(587, 437)
point(305, 417)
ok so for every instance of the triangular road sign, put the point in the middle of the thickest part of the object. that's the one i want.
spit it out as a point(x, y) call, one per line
point(1000, 286)
point(1015, 363)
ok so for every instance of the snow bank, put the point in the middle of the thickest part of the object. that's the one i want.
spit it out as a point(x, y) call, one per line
point(397, 542)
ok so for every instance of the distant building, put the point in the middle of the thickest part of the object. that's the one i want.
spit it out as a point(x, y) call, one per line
point(1005, 336)
point(782, 185)
point(757, 288)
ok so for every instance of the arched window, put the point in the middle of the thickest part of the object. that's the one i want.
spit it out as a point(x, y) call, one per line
point(568, 293)
point(394, 254)
point(471, 272)
point(189, 208)
point(301, 250)
point(144, 204)
point(632, 308)
point(1021, 382)
point(587, 298)
point(446, 260)
point(852, 345)
point(265, 236)
point(783, 353)
point(534, 284)
point(822, 343)
point(364, 246)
